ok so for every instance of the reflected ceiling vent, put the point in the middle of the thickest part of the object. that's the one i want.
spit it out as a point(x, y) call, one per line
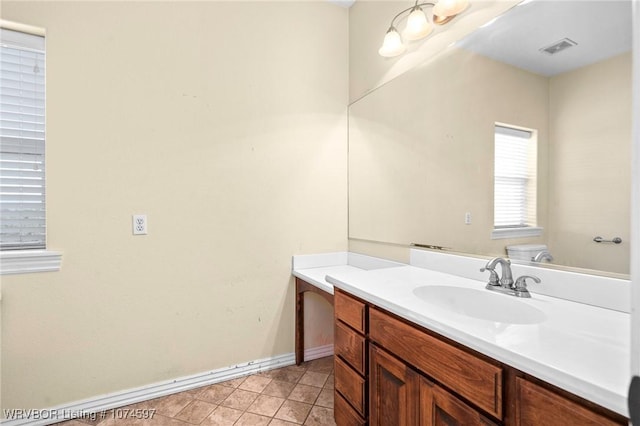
point(559, 46)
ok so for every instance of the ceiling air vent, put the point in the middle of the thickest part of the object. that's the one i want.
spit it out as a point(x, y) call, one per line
point(559, 46)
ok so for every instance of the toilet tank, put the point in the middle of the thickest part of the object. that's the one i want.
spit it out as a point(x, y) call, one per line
point(525, 251)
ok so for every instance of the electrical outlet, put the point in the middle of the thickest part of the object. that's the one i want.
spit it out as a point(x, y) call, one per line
point(139, 224)
point(467, 218)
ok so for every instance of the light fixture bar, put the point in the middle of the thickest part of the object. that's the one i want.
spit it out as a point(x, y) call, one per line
point(416, 5)
point(418, 25)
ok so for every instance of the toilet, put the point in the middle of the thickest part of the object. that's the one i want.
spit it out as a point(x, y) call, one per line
point(525, 252)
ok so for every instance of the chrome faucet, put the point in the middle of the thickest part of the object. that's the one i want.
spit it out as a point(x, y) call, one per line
point(543, 255)
point(505, 284)
point(507, 278)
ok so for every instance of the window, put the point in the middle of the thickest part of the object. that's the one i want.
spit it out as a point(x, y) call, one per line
point(22, 152)
point(514, 199)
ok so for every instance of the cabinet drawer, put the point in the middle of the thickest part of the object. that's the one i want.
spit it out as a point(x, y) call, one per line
point(350, 385)
point(536, 405)
point(350, 311)
point(350, 346)
point(473, 378)
point(344, 414)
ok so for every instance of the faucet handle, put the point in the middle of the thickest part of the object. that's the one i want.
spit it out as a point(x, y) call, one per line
point(493, 277)
point(521, 282)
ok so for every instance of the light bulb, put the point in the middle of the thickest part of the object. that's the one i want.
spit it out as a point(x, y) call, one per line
point(446, 8)
point(392, 45)
point(417, 25)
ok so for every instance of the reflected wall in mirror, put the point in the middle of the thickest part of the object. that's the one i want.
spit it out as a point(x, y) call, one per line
point(421, 147)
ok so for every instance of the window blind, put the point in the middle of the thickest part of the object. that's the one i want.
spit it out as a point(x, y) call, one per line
point(22, 141)
point(513, 203)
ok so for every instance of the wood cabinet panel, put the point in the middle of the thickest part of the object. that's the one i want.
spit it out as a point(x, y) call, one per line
point(350, 385)
point(401, 374)
point(350, 311)
point(473, 378)
point(439, 407)
point(350, 346)
point(393, 396)
point(536, 405)
point(344, 414)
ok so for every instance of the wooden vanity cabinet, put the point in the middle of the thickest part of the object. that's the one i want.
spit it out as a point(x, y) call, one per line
point(394, 390)
point(439, 407)
point(350, 360)
point(401, 396)
point(390, 371)
point(344, 414)
point(536, 405)
point(476, 379)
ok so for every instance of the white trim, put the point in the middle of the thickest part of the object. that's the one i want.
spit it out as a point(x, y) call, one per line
point(27, 261)
point(23, 28)
point(318, 352)
point(502, 233)
point(144, 393)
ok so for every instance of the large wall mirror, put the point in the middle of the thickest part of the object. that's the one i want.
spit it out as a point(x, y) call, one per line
point(423, 147)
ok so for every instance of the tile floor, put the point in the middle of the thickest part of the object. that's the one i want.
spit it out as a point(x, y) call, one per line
point(291, 395)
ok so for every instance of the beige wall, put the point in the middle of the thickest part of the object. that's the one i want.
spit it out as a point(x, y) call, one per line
point(421, 152)
point(225, 123)
point(590, 164)
point(318, 323)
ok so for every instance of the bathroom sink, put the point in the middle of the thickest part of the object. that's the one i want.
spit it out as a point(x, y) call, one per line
point(480, 304)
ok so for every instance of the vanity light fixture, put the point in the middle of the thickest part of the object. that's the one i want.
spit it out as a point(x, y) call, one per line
point(418, 25)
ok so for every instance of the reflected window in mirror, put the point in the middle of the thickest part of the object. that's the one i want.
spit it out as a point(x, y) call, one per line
point(515, 183)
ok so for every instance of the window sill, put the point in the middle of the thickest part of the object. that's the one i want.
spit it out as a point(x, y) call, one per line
point(530, 231)
point(28, 261)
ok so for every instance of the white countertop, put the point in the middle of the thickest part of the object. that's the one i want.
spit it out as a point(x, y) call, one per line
point(580, 348)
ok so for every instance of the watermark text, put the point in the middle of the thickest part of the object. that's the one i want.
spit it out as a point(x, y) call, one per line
point(60, 415)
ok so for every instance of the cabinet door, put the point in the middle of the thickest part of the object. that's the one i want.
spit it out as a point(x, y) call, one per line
point(394, 390)
point(439, 407)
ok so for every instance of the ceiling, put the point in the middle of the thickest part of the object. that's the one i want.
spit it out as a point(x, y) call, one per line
point(343, 3)
point(601, 29)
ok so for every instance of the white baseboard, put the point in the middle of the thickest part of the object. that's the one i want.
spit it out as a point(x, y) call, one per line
point(318, 352)
point(131, 396)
